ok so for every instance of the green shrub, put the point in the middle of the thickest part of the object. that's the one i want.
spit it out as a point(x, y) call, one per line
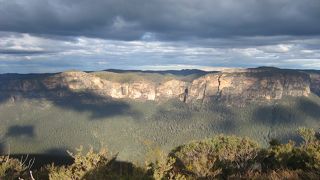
point(11, 168)
point(289, 156)
point(163, 167)
point(95, 166)
point(218, 156)
point(283, 156)
point(311, 147)
point(86, 166)
point(308, 135)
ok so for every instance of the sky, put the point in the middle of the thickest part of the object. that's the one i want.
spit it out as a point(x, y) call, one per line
point(38, 36)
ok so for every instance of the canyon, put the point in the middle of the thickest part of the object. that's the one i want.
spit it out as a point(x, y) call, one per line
point(125, 110)
point(236, 86)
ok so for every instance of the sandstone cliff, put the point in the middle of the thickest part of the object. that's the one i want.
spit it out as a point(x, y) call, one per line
point(231, 86)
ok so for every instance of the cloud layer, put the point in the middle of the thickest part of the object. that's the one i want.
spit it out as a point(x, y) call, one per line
point(55, 35)
point(167, 19)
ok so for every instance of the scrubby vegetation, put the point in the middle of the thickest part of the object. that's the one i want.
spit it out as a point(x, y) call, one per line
point(220, 157)
point(233, 157)
point(11, 168)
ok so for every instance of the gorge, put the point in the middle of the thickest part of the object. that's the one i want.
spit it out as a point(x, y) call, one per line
point(132, 112)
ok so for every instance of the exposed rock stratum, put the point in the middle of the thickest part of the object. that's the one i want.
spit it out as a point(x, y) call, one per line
point(234, 86)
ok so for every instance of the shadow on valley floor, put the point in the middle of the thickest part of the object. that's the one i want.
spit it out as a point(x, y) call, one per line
point(16, 87)
point(275, 114)
point(58, 156)
point(310, 108)
point(226, 126)
point(98, 106)
point(292, 136)
point(2, 148)
point(173, 110)
point(20, 131)
point(57, 151)
point(40, 160)
point(226, 122)
point(118, 170)
point(11, 84)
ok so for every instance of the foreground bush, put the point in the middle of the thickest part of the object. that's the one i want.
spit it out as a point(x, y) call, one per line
point(86, 166)
point(290, 156)
point(233, 157)
point(11, 168)
point(221, 157)
point(94, 166)
point(217, 157)
point(311, 147)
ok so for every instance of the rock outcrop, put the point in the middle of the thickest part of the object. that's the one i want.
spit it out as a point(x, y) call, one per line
point(230, 86)
point(250, 85)
point(315, 83)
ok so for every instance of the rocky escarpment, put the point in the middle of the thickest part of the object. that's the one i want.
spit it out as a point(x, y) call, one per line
point(251, 84)
point(315, 83)
point(230, 86)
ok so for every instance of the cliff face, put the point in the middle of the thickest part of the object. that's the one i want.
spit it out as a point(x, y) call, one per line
point(250, 85)
point(234, 86)
point(315, 83)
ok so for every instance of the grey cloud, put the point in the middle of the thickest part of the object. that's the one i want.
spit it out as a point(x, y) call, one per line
point(96, 54)
point(56, 35)
point(23, 52)
point(166, 19)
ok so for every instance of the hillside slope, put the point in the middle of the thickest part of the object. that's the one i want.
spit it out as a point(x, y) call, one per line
point(49, 113)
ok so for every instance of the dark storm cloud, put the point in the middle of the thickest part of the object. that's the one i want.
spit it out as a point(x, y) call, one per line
point(22, 52)
point(56, 35)
point(165, 19)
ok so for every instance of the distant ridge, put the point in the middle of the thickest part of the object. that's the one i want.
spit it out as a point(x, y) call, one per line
point(183, 72)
